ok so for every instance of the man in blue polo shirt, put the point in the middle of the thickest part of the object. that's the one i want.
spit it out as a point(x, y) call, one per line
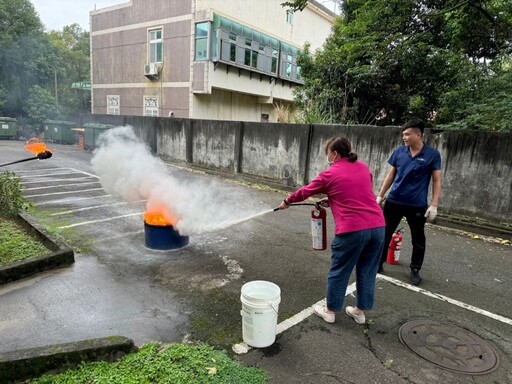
point(412, 167)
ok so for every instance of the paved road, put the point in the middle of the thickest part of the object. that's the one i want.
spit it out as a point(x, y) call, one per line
point(119, 287)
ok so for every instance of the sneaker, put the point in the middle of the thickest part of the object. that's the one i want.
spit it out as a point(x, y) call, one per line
point(359, 319)
point(415, 277)
point(320, 311)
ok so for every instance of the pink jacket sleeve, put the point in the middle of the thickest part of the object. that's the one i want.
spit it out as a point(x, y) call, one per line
point(315, 187)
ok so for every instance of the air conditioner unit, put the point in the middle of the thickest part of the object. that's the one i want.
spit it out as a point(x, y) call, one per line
point(151, 70)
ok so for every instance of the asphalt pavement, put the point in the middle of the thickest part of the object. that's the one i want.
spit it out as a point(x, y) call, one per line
point(117, 286)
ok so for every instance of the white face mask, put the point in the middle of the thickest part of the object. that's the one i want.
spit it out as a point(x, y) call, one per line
point(329, 161)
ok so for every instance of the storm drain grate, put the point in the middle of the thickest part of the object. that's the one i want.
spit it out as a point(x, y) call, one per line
point(449, 347)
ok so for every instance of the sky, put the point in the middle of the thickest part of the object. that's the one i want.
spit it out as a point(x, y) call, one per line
point(55, 14)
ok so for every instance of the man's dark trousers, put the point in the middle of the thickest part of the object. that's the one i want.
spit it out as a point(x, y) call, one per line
point(415, 216)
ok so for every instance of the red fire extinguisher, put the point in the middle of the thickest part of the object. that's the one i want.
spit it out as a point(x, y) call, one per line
point(394, 247)
point(319, 228)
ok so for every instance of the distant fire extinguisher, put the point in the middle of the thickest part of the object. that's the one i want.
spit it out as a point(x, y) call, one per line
point(319, 228)
point(394, 247)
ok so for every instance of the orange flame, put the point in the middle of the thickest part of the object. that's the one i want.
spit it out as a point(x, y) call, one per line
point(159, 216)
point(35, 146)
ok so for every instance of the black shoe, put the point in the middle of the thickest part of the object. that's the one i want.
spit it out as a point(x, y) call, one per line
point(415, 277)
point(381, 269)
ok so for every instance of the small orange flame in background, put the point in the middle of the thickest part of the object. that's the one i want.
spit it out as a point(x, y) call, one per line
point(35, 146)
point(159, 216)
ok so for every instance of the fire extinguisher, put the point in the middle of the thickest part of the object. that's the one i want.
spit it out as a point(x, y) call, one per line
point(394, 247)
point(319, 228)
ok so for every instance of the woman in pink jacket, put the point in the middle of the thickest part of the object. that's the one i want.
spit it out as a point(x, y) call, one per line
point(359, 228)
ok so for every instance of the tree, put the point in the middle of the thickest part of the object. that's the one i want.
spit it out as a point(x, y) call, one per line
point(25, 54)
point(483, 106)
point(387, 60)
point(73, 65)
point(29, 56)
point(297, 5)
point(17, 18)
point(41, 106)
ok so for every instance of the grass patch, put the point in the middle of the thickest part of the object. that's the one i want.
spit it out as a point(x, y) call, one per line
point(176, 363)
point(213, 321)
point(16, 244)
point(71, 236)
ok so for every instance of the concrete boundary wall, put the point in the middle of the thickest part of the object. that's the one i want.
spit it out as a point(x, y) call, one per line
point(477, 177)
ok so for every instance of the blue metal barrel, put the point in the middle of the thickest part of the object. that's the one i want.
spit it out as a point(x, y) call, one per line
point(163, 237)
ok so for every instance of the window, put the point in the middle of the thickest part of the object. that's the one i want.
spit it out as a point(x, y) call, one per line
point(202, 32)
point(150, 106)
point(289, 17)
point(289, 69)
point(244, 47)
point(155, 46)
point(113, 104)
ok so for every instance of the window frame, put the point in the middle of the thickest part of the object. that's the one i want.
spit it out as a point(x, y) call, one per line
point(289, 17)
point(155, 108)
point(202, 38)
point(113, 104)
point(158, 43)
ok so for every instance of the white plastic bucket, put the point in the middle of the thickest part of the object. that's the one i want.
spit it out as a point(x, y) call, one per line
point(260, 305)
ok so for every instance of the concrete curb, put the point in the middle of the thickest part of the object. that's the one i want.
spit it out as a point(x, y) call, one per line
point(480, 226)
point(33, 362)
point(62, 254)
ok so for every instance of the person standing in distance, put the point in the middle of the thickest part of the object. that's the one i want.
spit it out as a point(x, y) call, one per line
point(412, 167)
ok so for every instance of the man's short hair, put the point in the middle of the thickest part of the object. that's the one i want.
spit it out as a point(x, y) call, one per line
point(414, 123)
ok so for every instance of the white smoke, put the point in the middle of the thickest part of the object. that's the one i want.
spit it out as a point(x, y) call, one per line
point(127, 169)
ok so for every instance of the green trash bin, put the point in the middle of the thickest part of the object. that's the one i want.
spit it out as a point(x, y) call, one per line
point(8, 128)
point(57, 131)
point(92, 134)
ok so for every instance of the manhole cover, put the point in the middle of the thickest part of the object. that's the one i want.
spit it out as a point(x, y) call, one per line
point(448, 346)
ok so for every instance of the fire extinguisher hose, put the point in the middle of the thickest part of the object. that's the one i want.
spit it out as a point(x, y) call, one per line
point(293, 204)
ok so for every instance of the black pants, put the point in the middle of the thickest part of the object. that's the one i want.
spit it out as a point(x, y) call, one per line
point(415, 216)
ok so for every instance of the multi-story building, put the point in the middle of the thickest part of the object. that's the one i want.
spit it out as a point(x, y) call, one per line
point(204, 59)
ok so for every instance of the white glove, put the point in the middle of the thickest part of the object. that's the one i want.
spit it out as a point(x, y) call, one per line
point(379, 200)
point(431, 213)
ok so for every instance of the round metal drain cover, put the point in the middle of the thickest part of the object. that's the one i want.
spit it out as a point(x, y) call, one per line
point(449, 347)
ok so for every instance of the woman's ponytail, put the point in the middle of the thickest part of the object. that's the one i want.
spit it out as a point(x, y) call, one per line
point(341, 145)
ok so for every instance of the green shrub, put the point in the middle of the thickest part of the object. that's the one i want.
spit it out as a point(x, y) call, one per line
point(11, 199)
point(177, 363)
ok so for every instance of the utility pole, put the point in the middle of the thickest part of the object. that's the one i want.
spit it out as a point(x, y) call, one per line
point(56, 93)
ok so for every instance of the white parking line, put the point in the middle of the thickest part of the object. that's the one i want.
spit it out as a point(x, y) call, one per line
point(65, 192)
point(70, 199)
point(43, 175)
point(100, 220)
point(446, 299)
point(242, 348)
point(46, 169)
point(94, 207)
point(55, 180)
point(85, 173)
point(296, 319)
point(61, 185)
